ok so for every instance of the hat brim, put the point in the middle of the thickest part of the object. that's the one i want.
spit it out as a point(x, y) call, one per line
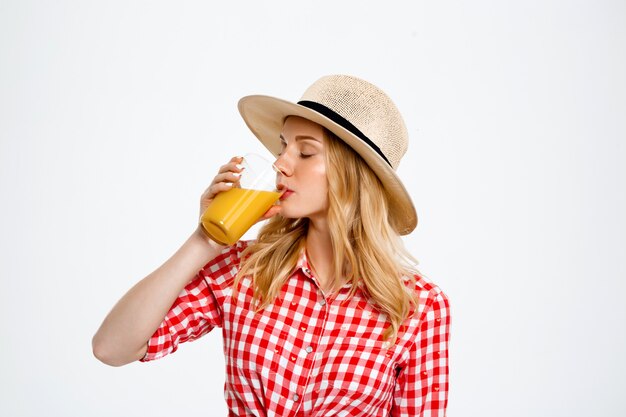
point(265, 117)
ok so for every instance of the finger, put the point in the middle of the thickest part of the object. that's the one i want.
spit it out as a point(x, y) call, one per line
point(227, 177)
point(233, 166)
point(271, 212)
point(217, 188)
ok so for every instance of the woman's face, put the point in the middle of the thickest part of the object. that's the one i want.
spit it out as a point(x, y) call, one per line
point(301, 169)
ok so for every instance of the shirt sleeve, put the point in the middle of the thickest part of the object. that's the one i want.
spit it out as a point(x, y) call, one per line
point(422, 384)
point(197, 309)
point(193, 314)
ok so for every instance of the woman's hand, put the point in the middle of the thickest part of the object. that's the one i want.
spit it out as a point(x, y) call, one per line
point(226, 178)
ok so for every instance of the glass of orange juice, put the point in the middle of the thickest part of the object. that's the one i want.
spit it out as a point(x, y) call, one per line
point(233, 212)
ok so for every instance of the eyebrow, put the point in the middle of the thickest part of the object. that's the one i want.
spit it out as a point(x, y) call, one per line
point(300, 137)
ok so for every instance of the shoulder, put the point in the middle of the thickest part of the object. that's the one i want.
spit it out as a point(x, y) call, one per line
point(430, 297)
point(222, 270)
point(228, 257)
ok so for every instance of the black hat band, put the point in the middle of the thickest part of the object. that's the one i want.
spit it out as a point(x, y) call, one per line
point(335, 117)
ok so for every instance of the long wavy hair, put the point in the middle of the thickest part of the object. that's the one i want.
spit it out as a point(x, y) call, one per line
point(368, 251)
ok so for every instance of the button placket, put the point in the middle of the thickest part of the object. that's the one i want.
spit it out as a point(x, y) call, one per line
point(309, 331)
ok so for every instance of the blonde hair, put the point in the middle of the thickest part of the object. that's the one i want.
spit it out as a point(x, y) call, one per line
point(367, 248)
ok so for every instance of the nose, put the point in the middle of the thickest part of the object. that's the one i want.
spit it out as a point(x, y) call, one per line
point(281, 166)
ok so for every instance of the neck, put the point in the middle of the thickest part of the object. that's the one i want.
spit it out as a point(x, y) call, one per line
point(320, 253)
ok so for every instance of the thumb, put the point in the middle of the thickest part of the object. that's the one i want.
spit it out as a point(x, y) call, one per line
point(271, 212)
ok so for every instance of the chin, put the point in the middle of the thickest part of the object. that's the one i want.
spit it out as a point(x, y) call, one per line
point(292, 211)
point(290, 215)
point(293, 214)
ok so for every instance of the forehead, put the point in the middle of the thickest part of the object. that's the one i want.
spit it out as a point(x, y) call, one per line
point(297, 126)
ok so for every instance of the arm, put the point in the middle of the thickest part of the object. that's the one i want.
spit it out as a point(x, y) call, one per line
point(122, 338)
point(422, 385)
point(123, 335)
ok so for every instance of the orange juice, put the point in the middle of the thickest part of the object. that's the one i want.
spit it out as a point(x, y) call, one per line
point(233, 212)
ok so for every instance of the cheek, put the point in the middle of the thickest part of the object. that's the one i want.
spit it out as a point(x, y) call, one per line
point(320, 182)
point(312, 177)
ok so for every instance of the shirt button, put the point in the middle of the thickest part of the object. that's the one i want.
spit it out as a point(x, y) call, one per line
point(322, 302)
point(296, 397)
point(309, 349)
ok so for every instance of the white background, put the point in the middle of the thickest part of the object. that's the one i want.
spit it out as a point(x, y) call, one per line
point(115, 115)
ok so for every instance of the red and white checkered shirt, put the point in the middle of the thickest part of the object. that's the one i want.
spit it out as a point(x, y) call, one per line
point(309, 355)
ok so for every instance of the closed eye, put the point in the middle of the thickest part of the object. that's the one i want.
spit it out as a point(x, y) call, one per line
point(283, 145)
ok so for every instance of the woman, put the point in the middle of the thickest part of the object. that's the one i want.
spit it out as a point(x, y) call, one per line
point(323, 313)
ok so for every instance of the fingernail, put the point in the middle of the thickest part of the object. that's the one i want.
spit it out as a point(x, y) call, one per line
point(237, 174)
point(240, 166)
point(229, 184)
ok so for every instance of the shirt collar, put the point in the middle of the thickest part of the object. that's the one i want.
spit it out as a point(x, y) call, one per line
point(304, 265)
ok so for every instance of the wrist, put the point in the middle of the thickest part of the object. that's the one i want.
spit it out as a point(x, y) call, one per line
point(201, 235)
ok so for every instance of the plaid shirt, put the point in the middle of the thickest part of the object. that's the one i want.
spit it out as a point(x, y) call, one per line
point(310, 355)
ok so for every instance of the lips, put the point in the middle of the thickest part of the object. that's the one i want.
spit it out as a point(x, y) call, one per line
point(286, 194)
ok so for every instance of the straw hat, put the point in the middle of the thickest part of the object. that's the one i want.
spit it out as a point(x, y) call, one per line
point(360, 114)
